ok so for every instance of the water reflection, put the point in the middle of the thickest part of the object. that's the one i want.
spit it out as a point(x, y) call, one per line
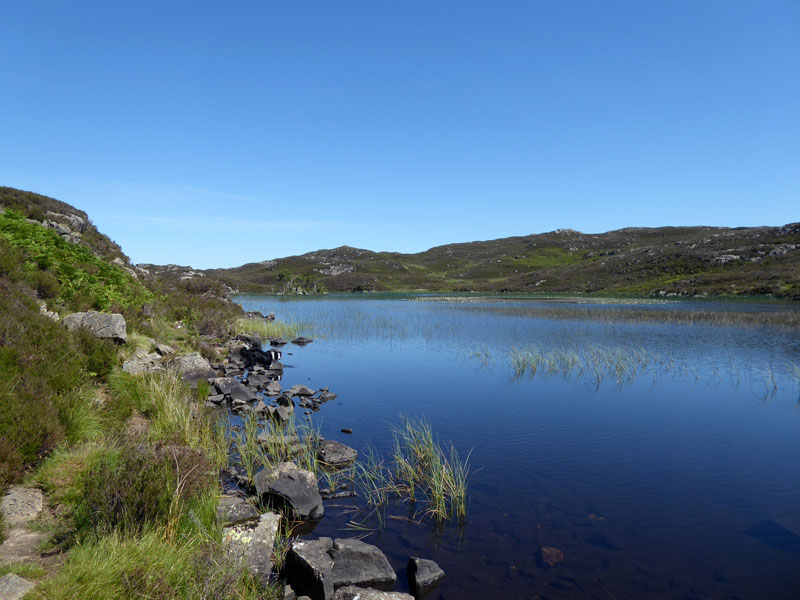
point(659, 488)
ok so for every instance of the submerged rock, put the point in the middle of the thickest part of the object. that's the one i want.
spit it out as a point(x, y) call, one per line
point(549, 557)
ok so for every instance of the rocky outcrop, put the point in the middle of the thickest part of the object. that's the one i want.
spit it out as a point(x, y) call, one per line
point(143, 362)
point(296, 486)
point(103, 325)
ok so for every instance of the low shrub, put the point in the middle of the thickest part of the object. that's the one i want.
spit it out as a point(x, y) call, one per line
point(129, 488)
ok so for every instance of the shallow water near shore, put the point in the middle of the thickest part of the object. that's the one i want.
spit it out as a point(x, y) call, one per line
point(672, 476)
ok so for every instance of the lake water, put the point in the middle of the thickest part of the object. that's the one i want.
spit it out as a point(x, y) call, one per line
point(677, 480)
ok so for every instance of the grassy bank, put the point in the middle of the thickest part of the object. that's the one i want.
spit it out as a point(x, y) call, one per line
point(129, 464)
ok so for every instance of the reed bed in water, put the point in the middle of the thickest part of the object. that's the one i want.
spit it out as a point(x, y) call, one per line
point(630, 315)
point(267, 329)
point(420, 471)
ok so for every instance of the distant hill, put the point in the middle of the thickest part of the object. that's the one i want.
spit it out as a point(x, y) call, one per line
point(634, 260)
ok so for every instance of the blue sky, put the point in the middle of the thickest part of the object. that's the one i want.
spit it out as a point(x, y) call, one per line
point(215, 134)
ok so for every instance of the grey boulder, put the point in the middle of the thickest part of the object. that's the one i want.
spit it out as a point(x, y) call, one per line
point(423, 575)
point(253, 545)
point(193, 368)
point(358, 563)
point(309, 568)
point(102, 325)
point(232, 510)
point(335, 454)
point(296, 486)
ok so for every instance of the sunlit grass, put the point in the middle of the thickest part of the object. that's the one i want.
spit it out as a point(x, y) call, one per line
point(434, 479)
point(267, 329)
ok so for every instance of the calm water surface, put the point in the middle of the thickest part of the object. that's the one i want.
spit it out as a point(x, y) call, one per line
point(681, 481)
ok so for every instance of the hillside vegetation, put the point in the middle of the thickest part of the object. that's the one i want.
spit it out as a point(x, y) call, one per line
point(129, 464)
point(639, 261)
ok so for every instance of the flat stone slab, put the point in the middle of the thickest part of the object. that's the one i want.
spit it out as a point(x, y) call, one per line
point(14, 587)
point(335, 454)
point(21, 545)
point(21, 505)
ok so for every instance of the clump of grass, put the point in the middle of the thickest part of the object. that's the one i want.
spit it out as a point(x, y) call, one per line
point(149, 566)
point(421, 471)
point(176, 418)
point(267, 329)
point(264, 443)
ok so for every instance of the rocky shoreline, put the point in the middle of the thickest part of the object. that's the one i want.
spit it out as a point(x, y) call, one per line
point(247, 383)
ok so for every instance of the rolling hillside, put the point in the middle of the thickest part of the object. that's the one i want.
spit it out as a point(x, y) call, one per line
point(665, 260)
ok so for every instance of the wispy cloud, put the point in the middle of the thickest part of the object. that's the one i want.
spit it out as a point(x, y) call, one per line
point(215, 222)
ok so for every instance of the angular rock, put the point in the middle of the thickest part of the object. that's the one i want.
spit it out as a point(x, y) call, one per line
point(296, 486)
point(164, 350)
point(253, 341)
point(283, 413)
point(103, 325)
point(284, 400)
point(253, 545)
point(143, 362)
point(193, 368)
point(423, 575)
point(277, 342)
point(232, 510)
point(273, 388)
point(335, 454)
point(216, 399)
point(358, 563)
point(300, 390)
point(14, 587)
point(353, 592)
point(309, 568)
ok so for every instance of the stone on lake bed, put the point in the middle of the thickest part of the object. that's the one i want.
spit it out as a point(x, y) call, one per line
point(549, 557)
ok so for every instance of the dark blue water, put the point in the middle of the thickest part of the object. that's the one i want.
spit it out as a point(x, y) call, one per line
point(680, 481)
